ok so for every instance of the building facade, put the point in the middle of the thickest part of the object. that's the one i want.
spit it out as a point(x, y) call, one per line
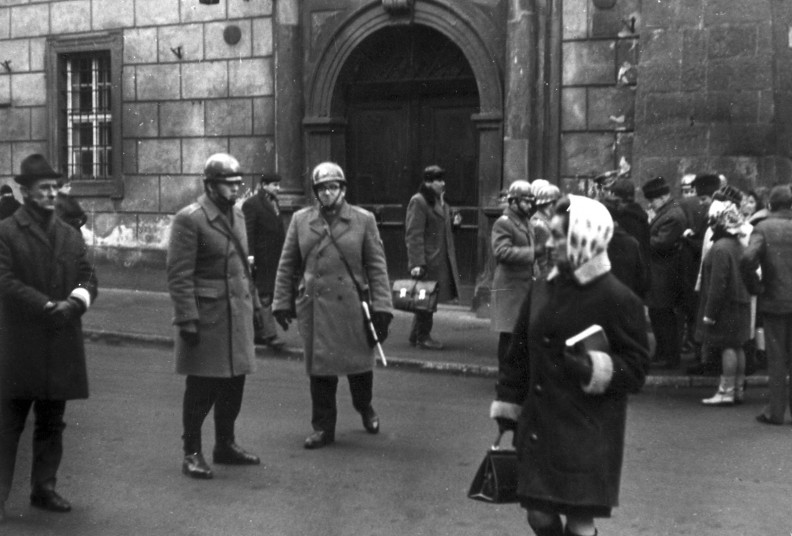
point(129, 97)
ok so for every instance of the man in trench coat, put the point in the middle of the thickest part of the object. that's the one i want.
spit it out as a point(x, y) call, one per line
point(214, 301)
point(430, 249)
point(324, 243)
point(46, 284)
point(265, 233)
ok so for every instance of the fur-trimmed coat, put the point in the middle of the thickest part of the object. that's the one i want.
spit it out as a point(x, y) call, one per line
point(312, 276)
point(513, 250)
point(209, 283)
point(39, 359)
point(570, 437)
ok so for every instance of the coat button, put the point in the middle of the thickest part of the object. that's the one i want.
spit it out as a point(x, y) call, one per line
point(538, 389)
point(546, 342)
point(533, 437)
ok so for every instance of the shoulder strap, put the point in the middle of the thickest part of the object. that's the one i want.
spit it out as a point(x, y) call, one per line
point(360, 292)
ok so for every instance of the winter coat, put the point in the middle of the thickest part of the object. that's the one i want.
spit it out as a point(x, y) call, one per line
point(329, 314)
point(665, 238)
point(628, 263)
point(513, 250)
point(540, 227)
point(209, 283)
point(770, 246)
point(8, 205)
point(430, 242)
point(37, 358)
point(266, 233)
point(724, 297)
point(570, 438)
point(633, 219)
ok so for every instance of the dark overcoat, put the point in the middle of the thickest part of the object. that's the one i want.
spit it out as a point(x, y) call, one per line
point(8, 205)
point(513, 250)
point(209, 283)
point(570, 442)
point(724, 297)
point(628, 263)
point(38, 359)
point(266, 233)
point(430, 242)
point(329, 314)
point(665, 261)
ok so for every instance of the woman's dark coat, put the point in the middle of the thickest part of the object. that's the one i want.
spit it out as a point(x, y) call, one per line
point(430, 242)
point(266, 233)
point(37, 358)
point(570, 443)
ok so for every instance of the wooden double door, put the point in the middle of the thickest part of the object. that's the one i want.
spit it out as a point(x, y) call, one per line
point(390, 141)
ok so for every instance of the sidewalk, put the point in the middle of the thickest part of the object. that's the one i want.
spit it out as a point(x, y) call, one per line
point(144, 317)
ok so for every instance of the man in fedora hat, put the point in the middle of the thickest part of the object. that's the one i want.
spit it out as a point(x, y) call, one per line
point(665, 289)
point(265, 234)
point(46, 284)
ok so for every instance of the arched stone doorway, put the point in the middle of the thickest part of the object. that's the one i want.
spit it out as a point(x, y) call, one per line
point(386, 96)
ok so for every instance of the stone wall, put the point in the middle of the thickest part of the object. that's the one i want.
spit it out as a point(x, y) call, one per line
point(714, 82)
point(176, 111)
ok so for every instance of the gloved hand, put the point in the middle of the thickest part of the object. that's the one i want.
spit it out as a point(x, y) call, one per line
point(188, 331)
point(381, 321)
point(258, 319)
point(64, 311)
point(578, 364)
point(419, 272)
point(283, 318)
point(506, 425)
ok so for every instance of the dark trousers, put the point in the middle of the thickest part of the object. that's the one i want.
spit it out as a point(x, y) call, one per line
point(47, 440)
point(324, 411)
point(666, 326)
point(778, 340)
point(200, 394)
point(421, 326)
point(504, 342)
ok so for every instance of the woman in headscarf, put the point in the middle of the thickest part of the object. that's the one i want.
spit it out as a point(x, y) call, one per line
point(725, 305)
point(569, 405)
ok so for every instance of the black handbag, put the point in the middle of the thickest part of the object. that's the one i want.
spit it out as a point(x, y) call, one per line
point(496, 478)
point(415, 295)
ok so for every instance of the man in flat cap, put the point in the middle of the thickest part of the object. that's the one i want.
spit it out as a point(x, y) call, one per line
point(665, 290)
point(430, 249)
point(46, 284)
point(215, 312)
point(265, 233)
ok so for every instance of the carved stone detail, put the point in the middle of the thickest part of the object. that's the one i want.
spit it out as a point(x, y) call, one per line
point(397, 7)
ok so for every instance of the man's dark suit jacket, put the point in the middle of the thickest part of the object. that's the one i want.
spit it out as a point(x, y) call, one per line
point(266, 234)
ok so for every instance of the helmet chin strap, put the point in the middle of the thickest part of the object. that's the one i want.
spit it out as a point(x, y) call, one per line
point(222, 202)
point(334, 204)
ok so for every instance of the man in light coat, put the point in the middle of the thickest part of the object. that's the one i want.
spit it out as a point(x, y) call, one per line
point(323, 244)
point(770, 247)
point(430, 249)
point(215, 304)
point(46, 284)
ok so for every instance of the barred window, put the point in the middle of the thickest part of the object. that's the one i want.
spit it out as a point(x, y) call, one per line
point(84, 80)
point(88, 117)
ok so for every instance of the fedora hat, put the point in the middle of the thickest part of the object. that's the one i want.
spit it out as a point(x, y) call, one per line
point(35, 167)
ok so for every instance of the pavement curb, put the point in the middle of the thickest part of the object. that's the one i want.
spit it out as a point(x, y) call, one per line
point(437, 367)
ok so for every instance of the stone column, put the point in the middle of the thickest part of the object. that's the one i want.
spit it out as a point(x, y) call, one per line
point(521, 64)
point(288, 98)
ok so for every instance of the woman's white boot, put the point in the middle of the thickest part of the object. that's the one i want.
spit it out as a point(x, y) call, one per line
point(725, 394)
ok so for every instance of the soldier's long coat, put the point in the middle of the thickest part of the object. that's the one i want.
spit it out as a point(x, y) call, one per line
point(329, 314)
point(38, 359)
point(209, 282)
point(513, 250)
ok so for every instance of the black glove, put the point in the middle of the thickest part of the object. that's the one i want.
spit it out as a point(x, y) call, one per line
point(258, 319)
point(418, 272)
point(506, 425)
point(381, 321)
point(192, 338)
point(66, 310)
point(283, 318)
point(578, 365)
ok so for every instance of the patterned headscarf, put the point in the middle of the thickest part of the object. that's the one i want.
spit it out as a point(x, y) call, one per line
point(590, 232)
point(725, 215)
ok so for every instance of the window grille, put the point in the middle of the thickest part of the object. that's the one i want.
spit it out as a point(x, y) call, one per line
point(88, 116)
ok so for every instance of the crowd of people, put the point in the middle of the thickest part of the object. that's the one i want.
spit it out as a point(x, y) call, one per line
point(712, 270)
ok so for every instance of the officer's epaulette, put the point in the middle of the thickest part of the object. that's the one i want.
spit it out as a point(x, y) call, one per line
point(361, 210)
point(192, 207)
